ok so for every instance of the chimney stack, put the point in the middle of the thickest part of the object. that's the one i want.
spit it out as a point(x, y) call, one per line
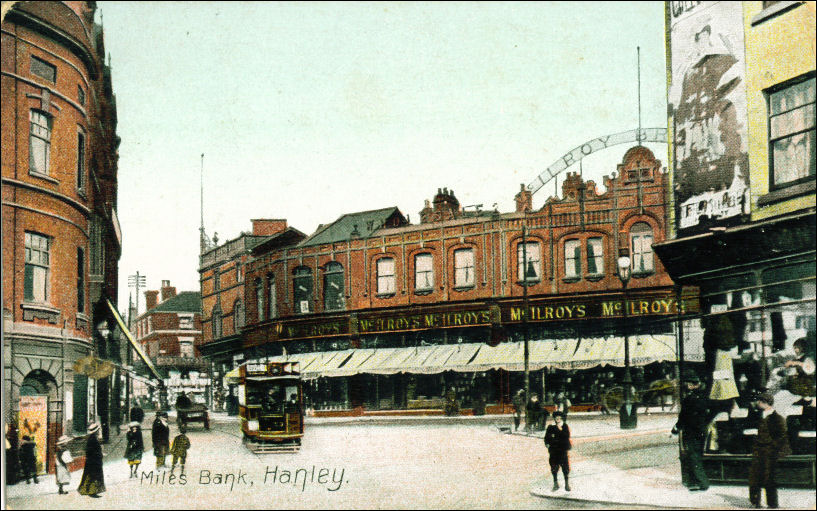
point(168, 291)
point(524, 199)
point(268, 226)
point(151, 299)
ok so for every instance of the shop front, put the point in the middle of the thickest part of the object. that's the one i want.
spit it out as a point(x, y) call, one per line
point(416, 359)
point(757, 285)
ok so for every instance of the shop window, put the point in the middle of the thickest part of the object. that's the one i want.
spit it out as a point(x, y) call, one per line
point(333, 287)
point(39, 153)
point(238, 315)
point(464, 267)
point(595, 256)
point(791, 134)
point(528, 262)
point(80, 280)
point(273, 297)
point(80, 159)
point(641, 239)
point(302, 289)
point(43, 69)
point(423, 272)
point(259, 300)
point(37, 267)
point(386, 280)
point(573, 259)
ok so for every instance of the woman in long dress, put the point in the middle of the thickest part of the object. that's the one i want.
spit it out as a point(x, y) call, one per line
point(93, 481)
point(63, 459)
point(135, 447)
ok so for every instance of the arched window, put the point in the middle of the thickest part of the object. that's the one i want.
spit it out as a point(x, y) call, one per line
point(302, 289)
point(215, 318)
point(273, 297)
point(386, 281)
point(641, 240)
point(529, 262)
point(333, 287)
point(595, 256)
point(423, 272)
point(238, 315)
point(464, 267)
point(259, 300)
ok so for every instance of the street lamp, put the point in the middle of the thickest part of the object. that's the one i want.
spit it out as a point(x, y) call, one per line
point(627, 413)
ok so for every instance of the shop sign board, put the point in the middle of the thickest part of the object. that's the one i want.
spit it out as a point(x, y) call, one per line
point(422, 320)
point(708, 112)
point(34, 423)
point(601, 308)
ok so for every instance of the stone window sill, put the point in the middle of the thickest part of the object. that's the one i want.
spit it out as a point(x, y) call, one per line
point(529, 282)
point(594, 277)
point(464, 288)
point(32, 310)
point(772, 11)
point(571, 280)
point(423, 292)
point(385, 295)
point(44, 177)
point(789, 192)
point(643, 274)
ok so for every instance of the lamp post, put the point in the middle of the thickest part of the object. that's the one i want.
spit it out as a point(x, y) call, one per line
point(627, 413)
point(525, 316)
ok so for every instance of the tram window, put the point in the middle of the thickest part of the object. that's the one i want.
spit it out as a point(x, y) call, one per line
point(242, 395)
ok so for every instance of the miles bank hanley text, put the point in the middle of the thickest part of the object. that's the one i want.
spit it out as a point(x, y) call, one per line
point(299, 478)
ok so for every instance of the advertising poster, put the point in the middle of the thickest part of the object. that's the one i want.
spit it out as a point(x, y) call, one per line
point(707, 100)
point(34, 424)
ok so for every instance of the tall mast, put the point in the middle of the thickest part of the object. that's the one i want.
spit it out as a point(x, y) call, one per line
point(202, 238)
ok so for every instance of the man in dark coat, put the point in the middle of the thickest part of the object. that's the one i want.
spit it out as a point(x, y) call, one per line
point(557, 440)
point(93, 480)
point(161, 439)
point(770, 445)
point(692, 423)
point(518, 404)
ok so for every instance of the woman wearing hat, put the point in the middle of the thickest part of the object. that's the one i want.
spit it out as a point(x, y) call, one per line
point(136, 447)
point(63, 459)
point(93, 481)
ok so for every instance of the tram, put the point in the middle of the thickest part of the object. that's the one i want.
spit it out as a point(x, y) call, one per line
point(270, 406)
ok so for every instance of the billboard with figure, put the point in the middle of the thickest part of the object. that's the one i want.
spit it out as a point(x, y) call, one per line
point(707, 104)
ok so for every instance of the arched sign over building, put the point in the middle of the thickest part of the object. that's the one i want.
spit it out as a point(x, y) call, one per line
point(597, 144)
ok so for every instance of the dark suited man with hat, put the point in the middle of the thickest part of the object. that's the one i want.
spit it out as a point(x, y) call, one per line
point(771, 444)
point(692, 423)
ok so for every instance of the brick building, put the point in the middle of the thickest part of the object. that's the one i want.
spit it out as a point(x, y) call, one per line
point(382, 313)
point(221, 274)
point(169, 332)
point(61, 236)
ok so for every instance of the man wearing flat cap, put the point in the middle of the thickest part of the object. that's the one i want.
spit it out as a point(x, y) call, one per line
point(771, 444)
point(692, 423)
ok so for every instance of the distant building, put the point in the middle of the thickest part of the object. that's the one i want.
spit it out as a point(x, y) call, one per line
point(170, 333)
point(61, 235)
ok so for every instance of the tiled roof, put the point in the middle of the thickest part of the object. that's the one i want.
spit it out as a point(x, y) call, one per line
point(364, 222)
point(186, 301)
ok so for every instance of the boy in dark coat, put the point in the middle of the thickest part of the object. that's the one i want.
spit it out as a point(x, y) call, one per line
point(557, 440)
point(161, 439)
point(28, 459)
point(771, 444)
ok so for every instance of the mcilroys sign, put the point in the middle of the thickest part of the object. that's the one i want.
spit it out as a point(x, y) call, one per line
point(707, 108)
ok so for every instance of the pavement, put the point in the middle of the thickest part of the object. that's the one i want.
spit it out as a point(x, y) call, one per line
point(592, 481)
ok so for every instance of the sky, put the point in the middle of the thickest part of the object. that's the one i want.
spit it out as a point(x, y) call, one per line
point(310, 110)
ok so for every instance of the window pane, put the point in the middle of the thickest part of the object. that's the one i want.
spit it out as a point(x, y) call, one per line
point(259, 298)
point(792, 97)
point(80, 160)
point(595, 256)
point(464, 267)
point(385, 276)
point(38, 156)
point(794, 157)
point(39, 283)
point(529, 259)
point(572, 258)
point(791, 122)
point(424, 276)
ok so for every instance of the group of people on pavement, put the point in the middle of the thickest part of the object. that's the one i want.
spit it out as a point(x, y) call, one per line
point(770, 444)
point(92, 482)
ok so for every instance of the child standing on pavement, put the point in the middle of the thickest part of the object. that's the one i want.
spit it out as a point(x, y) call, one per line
point(28, 459)
point(179, 448)
point(557, 440)
point(63, 459)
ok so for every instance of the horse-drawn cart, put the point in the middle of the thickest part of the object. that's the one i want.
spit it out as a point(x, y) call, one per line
point(193, 413)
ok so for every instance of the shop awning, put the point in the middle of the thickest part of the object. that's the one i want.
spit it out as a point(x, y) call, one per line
point(477, 357)
point(133, 342)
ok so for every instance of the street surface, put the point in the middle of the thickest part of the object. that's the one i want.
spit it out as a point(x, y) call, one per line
point(417, 465)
